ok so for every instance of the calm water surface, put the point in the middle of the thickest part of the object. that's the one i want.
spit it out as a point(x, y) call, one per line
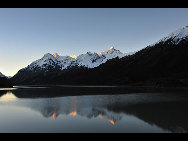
point(44, 109)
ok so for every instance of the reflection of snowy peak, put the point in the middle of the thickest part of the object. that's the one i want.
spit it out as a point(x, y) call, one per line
point(74, 106)
point(89, 60)
point(103, 113)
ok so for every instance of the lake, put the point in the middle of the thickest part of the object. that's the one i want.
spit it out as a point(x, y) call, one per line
point(83, 109)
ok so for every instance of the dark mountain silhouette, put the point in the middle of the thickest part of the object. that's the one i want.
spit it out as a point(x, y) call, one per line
point(5, 83)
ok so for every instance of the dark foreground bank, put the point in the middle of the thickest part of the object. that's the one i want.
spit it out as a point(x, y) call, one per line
point(68, 90)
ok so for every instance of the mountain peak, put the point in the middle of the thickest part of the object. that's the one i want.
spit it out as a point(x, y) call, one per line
point(177, 36)
point(55, 54)
point(73, 56)
point(110, 49)
point(51, 56)
point(89, 60)
point(47, 55)
point(2, 75)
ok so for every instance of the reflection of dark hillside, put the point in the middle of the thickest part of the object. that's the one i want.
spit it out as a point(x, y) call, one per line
point(171, 116)
point(57, 91)
point(71, 91)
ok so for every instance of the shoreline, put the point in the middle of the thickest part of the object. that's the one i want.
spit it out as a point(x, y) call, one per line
point(101, 86)
point(52, 91)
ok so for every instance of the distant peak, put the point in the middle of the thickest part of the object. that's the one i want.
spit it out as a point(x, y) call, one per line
point(2, 75)
point(47, 55)
point(73, 56)
point(180, 33)
point(55, 54)
point(175, 36)
point(111, 48)
point(89, 53)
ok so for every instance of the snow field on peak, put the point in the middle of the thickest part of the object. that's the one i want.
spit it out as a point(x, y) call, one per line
point(89, 60)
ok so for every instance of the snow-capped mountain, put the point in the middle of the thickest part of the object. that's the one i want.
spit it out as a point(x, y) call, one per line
point(48, 60)
point(175, 37)
point(89, 60)
point(162, 64)
point(2, 75)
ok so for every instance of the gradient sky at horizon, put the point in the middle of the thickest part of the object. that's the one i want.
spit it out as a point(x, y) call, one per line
point(27, 34)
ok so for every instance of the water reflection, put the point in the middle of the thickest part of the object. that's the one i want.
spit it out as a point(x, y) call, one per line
point(85, 106)
point(74, 108)
point(165, 111)
point(8, 96)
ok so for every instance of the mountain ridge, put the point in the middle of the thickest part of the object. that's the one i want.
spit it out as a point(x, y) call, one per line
point(162, 64)
point(89, 60)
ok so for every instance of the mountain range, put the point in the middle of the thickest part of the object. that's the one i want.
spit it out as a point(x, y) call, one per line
point(88, 60)
point(54, 63)
point(160, 64)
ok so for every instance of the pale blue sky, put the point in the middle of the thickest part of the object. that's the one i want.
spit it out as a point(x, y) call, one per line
point(27, 34)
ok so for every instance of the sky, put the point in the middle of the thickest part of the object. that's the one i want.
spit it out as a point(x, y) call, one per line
point(26, 34)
